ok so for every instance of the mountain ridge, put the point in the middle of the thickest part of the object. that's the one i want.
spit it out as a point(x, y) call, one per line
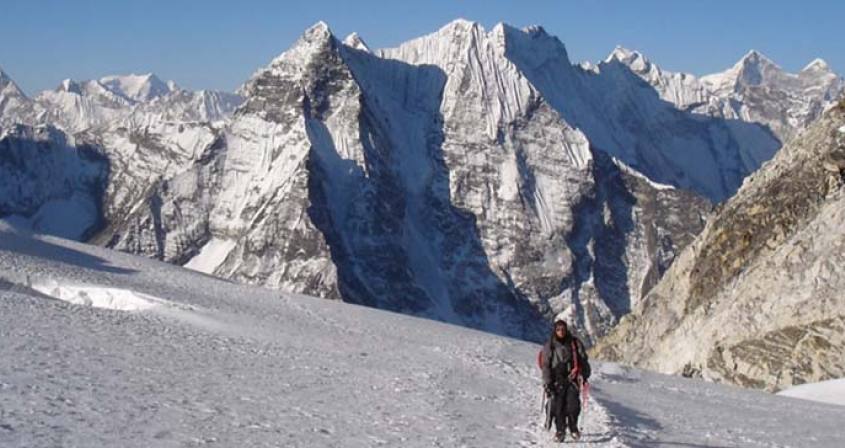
point(755, 300)
point(469, 176)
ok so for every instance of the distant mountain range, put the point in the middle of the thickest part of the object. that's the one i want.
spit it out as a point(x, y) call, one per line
point(471, 176)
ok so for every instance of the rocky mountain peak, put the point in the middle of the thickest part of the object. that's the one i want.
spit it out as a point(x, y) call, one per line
point(355, 41)
point(70, 86)
point(817, 65)
point(755, 69)
point(8, 86)
point(316, 40)
point(313, 59)
point(316, 32)
point(632, 58)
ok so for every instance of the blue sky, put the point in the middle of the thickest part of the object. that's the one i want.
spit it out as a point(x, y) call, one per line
point(218, 44)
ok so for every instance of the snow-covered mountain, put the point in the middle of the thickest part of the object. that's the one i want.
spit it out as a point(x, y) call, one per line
point(137, 88)
point(365, 178)
point(112, 101)
point(469, 176)
point(757, 298)
point(108, 349)
point(609, 104)
point(755, 89)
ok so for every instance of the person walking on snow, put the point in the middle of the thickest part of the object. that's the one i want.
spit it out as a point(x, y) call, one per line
point(565, 370)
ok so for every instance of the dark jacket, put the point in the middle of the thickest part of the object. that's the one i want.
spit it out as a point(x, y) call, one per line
point(558, 360)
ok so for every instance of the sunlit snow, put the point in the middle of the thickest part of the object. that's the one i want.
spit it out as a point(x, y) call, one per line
point(219, 363)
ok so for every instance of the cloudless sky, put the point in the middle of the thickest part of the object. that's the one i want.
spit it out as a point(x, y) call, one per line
point(218, 44)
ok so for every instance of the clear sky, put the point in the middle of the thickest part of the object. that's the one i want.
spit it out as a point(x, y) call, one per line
point(218, 44)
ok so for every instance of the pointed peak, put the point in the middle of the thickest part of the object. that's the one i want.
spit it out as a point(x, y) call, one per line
point(624, 55)
point(7, 85)
point(817, 64)
point(633, 59)
point(754, 57)
point(4, 77)
point(318, 29)
point(135, 87)
point(461, 25)
point(317, 35)
point(70, 86)
point(355, 41)
point(316, 38)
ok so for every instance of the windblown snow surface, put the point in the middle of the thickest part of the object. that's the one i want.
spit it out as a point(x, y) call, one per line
point(831, 391)
point(101, 348)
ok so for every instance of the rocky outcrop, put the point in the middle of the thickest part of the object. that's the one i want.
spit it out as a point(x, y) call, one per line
point(756, 298)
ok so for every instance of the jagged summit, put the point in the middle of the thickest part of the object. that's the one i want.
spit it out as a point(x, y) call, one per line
point(139, 88)
point(315, 39)
point(817, 64)
point(627, 56)
point(756, 58)
point(355, 41)
point(320, 29)
point(6, 82)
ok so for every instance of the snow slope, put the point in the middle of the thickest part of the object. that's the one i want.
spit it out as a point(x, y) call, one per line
point(831, 391)
point(232, 365)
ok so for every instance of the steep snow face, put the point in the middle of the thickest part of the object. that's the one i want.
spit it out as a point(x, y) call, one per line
point(756, 299)
point(310, 372)
point(378, 225)
point(682, 89)
point(541, 200)
point(625, 117)
point(522, 172)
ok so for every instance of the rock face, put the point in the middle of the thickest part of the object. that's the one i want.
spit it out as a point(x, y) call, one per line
point(757, 298)
point(469, 176)
point(49, 183)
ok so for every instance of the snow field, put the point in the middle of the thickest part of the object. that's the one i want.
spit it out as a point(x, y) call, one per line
point(220, 364)
point(831, 392)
